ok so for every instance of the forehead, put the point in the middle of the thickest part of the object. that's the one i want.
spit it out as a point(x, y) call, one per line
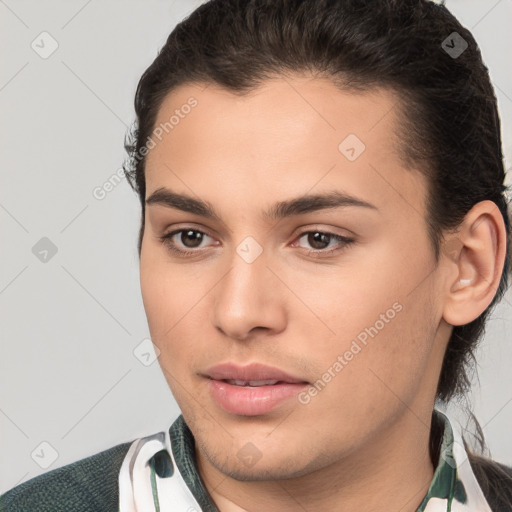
point(291, 134)
point(296, 109)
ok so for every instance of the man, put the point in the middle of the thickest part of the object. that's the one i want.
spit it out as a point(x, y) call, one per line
point(324, 232)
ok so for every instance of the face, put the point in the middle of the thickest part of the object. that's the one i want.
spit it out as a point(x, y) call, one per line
point(325, 304)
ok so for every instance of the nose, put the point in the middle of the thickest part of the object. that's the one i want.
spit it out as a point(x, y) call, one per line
point(248, 300)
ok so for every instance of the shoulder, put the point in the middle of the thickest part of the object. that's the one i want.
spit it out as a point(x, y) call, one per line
point(89, 484)
point(495, 480)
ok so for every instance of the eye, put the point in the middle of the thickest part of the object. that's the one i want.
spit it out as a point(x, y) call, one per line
point(188, 237)
point(321, 242)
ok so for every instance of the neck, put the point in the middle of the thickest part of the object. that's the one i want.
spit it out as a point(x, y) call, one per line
point(392, 472)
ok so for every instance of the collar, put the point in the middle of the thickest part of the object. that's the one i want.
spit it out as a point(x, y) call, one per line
point(454, 486)
point(159, 473)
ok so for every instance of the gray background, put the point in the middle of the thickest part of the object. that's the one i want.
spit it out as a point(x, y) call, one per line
point(69, 326)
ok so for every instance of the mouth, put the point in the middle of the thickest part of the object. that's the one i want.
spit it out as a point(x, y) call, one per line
point(254, 374)
point(251, 390)
point(253, 383)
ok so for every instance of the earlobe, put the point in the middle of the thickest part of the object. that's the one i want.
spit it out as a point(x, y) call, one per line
point(475, 257)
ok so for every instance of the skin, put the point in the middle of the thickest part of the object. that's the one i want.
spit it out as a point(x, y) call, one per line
point(299, 312)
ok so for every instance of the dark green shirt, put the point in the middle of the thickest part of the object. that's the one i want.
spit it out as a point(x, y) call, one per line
point(92, 484)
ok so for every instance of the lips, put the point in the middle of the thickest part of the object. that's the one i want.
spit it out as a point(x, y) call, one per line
point(251, 373)
point(251, 383)
point(251, 390)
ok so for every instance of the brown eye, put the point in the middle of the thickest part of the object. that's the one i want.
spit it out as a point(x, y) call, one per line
point(320, 243)
point(318, 240)
point(191, 237)
point(180, 240)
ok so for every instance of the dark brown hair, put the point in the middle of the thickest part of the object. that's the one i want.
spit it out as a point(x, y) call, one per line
point(449, 124)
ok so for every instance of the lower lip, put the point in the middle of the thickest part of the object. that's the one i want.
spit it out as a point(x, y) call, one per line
point(252, 401)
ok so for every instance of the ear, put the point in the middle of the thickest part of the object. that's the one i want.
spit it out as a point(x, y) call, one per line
point(474, 257)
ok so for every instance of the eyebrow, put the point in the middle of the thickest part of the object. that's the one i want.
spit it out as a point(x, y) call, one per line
point(280, 210)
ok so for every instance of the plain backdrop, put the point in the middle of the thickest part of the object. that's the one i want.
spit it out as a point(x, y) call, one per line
point(72, 318)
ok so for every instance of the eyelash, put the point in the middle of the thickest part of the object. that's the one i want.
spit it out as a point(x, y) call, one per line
point(166, 240)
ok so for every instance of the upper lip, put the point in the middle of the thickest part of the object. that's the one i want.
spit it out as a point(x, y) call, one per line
point(250, 372)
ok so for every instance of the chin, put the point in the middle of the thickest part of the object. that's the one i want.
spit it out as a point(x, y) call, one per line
point(259, 474)
point(263, 470)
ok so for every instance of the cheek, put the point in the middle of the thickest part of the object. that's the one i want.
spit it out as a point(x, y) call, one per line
point(347, 300)
point(164, 300)
point(378, 320)
point(377, 378)
point(157, 302)
point(174, 311)
point(166, 293)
